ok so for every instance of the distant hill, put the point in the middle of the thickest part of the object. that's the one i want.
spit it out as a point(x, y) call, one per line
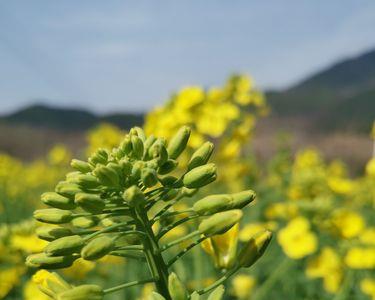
point(340, 98)
point(67, 119)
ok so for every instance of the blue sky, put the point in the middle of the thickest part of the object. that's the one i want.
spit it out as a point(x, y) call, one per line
point(111, 55)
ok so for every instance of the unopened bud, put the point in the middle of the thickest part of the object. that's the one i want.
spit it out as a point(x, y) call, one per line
point(176, 288)
point(87, 181)
point(90, 202)
point(64, 246)
point(49, 233)
point(149, 177)
point(201, 156)
point(217, 294)
point(41, 260)
point(97, 248)
point(212, 204)
point(107, 176)
point(57, 201)
point(200, 176)
point(82, 292)
point(137, 147)
point(67, 189)
point(134, 196)
point(126, 145)
point(53, 215)
point(220, 223)
point(178, 142)
point(99, 157)
point(84, 222)
point(168, 166)
point(82, 166)
point(254, 248)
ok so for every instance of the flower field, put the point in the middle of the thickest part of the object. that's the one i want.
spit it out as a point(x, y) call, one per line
point(169, 211)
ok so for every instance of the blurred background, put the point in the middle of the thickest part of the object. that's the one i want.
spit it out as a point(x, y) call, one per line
point(75, 76)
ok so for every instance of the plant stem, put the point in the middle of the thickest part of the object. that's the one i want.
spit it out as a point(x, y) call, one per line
point(271, 280)
point(219, 281)
point(158, 267)
point(179, 240)
point(184, 251)
point(128, 284)
point(175, 224)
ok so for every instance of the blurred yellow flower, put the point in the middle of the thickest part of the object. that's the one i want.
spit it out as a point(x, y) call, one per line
point(327, 266)
point(360, 258)
point(9, 278)
point(32, 292)
point(27, 243)
point(251, 229)
point(296, 239)
point(370, 168)
point(242, 286)
point(368, 287)
point(349, 224)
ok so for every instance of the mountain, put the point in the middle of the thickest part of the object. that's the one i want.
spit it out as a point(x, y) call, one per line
point(68, 119)
point(340, 98)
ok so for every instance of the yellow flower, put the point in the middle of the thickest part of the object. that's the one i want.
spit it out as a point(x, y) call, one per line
point(27, 243)
point(252, 229)
point(370, 168)
point(9, 278)
point(242, 286)
point(296, 239)
point(348, 223)
point(368, 287)
point(367, 236)
point(281, 210)
point(327, 266)
point(223, 247)
point(59, 155)
point(340, 185)
point(360, 258)
point(32, 292)
point(79, 269)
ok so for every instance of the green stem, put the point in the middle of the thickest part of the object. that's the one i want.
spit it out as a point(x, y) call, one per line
point(175, 224)
point(345, 287)
point(127, 255)
point(172, 214)
point(104, 230)
point(179, 240)
point(157, 266)
point(128, 284)
point(219, 281)
point(271, 280)
point(184, 251)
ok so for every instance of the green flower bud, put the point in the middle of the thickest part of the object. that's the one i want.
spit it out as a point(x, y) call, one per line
point(178, 142)
point(126, 145)
point(41, 260)
point(64, 246)
point(82, 292)
point(126, 166)
point(137, 146)
point(90, 202)
point(137, 170)
point(220, 223)
point(148, 143)
point(149, 177)
point(217, 294)
point(53, 215)
point(87, 181)
point(216, 203)
point(200, 176)
point(49, 233)
point(201, 156)
point(107, 176)
point(159, 152)
point(176, 289)
point(212, 204)
point(134, 196)
point(254, 249)
point(57, 201)
point(99, 157)
point(84, 222)
point(67, 189)
point(168, 180)
point(82, 166)
point(168, 166)
point(97, 248)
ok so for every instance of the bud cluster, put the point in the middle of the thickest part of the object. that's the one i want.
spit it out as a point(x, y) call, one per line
point(107, 205)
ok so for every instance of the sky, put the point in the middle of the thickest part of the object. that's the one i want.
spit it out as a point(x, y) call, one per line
point(108, 56)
